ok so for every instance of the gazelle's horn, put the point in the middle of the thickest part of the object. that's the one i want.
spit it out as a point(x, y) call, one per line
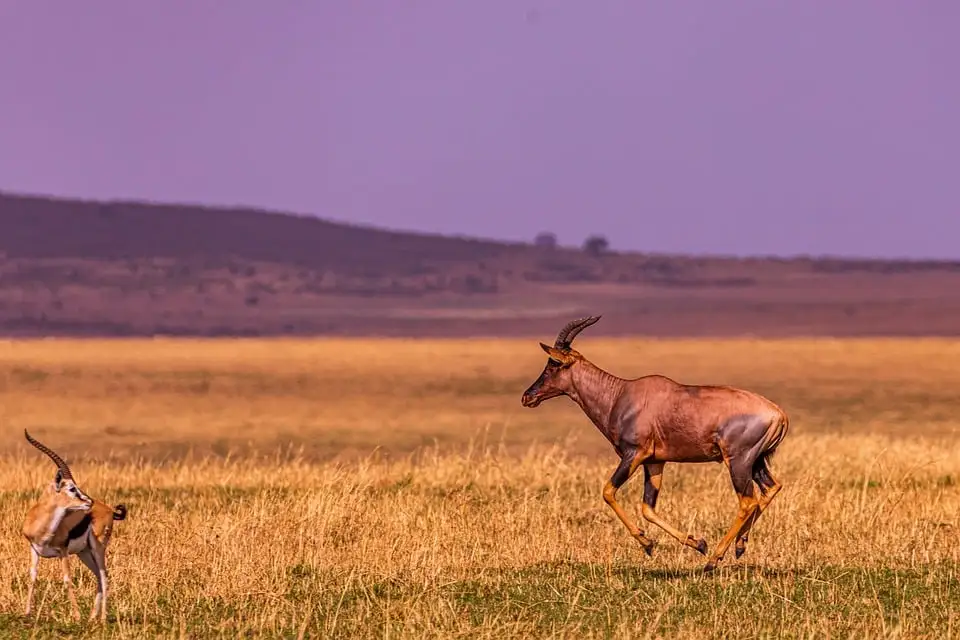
point(64, 469)
point(570, 331)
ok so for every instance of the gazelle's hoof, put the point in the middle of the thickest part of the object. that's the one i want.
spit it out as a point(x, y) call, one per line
point(739, 551)
point(648, 548)
point(710, 566)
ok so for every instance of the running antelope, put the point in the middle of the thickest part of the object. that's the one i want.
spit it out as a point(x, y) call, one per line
point(654, 420)
point(65, 521)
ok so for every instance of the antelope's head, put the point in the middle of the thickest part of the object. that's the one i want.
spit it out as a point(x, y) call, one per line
point(561, 359)
point(63, 489)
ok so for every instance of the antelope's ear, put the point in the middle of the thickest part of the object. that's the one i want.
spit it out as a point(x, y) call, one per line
point(556, 354)
point(58, 480)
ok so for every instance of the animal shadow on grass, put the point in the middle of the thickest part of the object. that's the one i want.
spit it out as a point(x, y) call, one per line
point(57, 623)
point(630, 573)
point(732, 570)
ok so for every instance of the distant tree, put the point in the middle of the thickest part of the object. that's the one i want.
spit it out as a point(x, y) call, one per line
point(545, 240)
point(595, 245)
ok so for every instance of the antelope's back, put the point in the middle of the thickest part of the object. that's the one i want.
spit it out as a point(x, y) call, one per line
point(715, 404)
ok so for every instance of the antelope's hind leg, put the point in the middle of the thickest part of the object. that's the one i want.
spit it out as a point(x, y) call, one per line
point(91, 559)
point(652, 480)
point(747, 512)
point(769, 488)
point(627, 467)
point(746, 443)
point(750, 509)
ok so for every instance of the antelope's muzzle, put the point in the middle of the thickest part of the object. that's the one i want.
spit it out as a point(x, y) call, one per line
point(84, 507)
point(531, 398)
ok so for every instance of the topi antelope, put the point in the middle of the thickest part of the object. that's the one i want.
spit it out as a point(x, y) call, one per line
point(654, 420)
point(65, 521)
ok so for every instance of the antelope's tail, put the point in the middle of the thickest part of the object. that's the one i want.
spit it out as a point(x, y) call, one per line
point(120, 512)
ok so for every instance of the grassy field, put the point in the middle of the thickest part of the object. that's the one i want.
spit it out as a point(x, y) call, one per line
point(398, 489)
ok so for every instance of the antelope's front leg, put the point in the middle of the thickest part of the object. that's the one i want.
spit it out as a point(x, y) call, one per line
point(68, 584)
point(34, 571)
point(652, 480)
point(628, 465)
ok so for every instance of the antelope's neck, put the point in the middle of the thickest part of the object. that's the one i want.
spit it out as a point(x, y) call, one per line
point(597, 392)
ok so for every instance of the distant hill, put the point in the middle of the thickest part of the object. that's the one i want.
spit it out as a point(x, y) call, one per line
point(71, 267)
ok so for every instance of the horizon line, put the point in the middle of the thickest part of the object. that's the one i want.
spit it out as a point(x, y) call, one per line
point(226, 208)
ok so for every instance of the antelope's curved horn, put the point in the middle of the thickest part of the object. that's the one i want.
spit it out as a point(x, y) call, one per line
point(570, 331)
point(64, 469)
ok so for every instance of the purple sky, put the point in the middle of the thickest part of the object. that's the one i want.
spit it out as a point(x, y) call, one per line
point(701, 126)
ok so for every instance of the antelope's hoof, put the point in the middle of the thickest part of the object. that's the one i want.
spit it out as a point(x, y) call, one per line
point(648, 549)
point(702, 546)
point(710, 566)
point(739, 551)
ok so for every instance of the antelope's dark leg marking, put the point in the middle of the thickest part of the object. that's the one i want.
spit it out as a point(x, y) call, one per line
point(653, 478)
point(627, 467)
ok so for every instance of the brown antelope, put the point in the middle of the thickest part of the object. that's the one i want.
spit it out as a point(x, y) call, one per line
point(654, 420)
point(65, 521)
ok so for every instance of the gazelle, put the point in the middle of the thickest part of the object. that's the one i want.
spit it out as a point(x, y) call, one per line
point(654, 420)
point(65, 521)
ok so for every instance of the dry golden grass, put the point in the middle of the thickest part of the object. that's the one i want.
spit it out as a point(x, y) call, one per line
point(256, 508)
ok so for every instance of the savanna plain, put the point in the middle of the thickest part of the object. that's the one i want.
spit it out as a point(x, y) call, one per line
point(397, 488)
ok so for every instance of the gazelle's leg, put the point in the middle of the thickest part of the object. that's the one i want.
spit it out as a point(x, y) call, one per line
point(90, 558)
point(68, 584)
point(34, 572)
point(653, 478)
point(628, 465)
point(103, 580)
